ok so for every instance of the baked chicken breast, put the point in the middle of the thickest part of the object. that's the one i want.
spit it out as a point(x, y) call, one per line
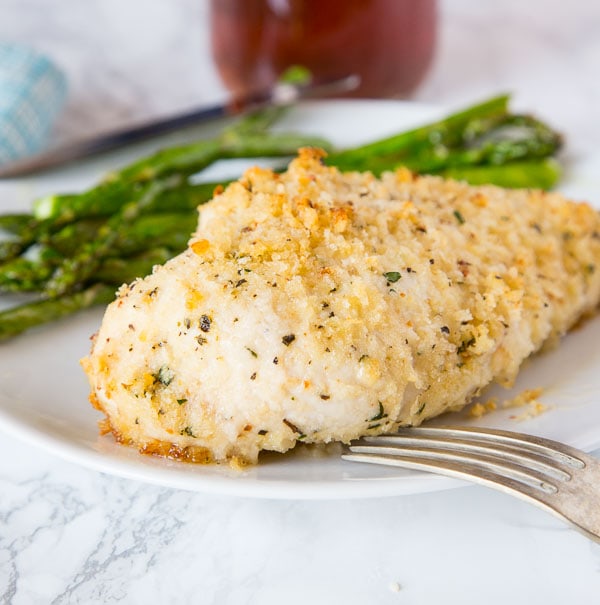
point(316, 306)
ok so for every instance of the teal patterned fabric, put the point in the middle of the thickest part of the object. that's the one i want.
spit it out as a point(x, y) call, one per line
point(32, 93)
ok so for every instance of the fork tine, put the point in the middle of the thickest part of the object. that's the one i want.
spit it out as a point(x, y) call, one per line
point(511, 453)
point(558, 478)
point(491, 462)
point(457, 470)
point(554, 450)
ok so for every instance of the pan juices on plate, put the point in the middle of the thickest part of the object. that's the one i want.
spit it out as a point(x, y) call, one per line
point(321, 306)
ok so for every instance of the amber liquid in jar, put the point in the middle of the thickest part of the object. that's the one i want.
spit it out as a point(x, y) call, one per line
point(388, 43)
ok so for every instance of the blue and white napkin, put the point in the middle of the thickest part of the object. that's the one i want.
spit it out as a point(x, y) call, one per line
point(32, 93)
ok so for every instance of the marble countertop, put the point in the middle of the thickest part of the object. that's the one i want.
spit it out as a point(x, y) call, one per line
point(72, 535)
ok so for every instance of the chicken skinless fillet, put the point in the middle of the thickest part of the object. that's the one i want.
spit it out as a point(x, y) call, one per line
point(317, 306)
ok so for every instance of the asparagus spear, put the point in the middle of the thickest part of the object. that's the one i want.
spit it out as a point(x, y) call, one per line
point(509, 139)
point(448, 131)
point(173, 230)
point(111, 274)
point(10, 249)
point(119, 187)
point(69, 238)
point(80, 267)
point(25, 274)
point(14, 223)
point(28, 274)
point(118, 271)
point(102, 202)
point(29, 234)
point(31, 273)
point(18, 319)
point(186, 197)
point(496, 141)
point(539, 174)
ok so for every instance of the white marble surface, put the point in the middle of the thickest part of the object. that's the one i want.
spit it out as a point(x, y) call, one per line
point(69, 535)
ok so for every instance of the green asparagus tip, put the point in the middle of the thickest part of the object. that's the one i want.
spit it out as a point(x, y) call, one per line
point(44, 207)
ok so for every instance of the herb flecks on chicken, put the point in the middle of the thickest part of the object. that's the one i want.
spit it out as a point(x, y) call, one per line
point(314, 305)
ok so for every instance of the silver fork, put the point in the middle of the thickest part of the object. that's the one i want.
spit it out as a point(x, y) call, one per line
point(551, 475)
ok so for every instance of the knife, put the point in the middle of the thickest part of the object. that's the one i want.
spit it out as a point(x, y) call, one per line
point(282, 94)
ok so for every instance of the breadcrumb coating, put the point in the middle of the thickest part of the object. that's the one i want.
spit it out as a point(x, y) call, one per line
point(317, 306)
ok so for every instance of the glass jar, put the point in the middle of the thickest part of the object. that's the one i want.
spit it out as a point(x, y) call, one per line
point(388, 43)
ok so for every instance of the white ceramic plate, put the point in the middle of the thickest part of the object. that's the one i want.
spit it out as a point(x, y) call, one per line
point(43, 391)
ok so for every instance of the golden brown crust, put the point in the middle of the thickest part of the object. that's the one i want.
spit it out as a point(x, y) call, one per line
point(316, 306)
point(155, 447)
